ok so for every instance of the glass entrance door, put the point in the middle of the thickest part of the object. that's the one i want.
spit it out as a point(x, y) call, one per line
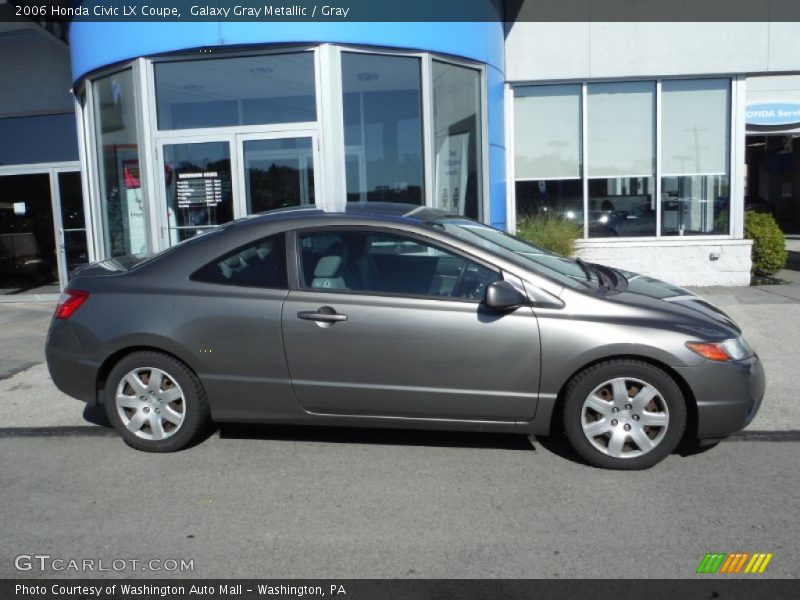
point(213, 180)
point(27, 236)
point(278, 171)
point(72, 249)
point(198, 184)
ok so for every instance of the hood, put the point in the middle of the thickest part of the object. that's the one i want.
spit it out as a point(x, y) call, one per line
point(681, 300)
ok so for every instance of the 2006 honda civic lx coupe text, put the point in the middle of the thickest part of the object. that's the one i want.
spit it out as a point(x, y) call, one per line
point(392, 315)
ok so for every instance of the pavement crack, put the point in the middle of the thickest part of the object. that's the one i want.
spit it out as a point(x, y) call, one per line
point(756, 435)
point(57, 431)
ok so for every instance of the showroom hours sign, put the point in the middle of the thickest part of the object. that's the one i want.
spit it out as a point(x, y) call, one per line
point(199, 189)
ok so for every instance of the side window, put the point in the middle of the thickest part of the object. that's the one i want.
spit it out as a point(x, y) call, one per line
point(258, 264)
point(365, 261)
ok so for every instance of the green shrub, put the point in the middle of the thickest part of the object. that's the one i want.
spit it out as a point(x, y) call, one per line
point(769, 243)
point(550, 232)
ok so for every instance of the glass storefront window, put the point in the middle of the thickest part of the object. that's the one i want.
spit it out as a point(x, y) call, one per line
point(620, 197)
point(199, 193)
point(548, 151)
point(695, 149)
point(620, 149)
point(220, 92)
point(561, 197)
point(121, 201)
point(382, 97)
point(547, 127)
point(457, 138)
point(622, 207)
point(257, 125)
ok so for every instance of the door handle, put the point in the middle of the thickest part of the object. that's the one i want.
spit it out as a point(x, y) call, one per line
point(322, 315)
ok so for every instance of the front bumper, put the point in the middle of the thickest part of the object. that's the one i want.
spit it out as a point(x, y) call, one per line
point(728, 394)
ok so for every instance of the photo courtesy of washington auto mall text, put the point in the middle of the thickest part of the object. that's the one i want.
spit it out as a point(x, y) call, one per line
point(167, 590)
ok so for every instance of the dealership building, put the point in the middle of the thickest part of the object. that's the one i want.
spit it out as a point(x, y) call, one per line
point(654, 138)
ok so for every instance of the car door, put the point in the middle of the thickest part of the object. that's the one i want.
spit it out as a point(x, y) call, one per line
point(385, 323)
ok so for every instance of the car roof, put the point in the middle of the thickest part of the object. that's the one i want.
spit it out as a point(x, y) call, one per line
point(394, 211)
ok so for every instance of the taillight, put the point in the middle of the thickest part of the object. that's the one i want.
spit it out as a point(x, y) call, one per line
point(69, 302)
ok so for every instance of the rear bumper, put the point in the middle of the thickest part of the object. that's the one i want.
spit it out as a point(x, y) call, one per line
point(728, 395)
point(71, 371)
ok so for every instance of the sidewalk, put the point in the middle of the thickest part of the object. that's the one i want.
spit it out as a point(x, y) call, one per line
point(768, 315)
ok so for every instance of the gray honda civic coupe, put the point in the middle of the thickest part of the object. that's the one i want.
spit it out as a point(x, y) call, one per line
point(390, 315)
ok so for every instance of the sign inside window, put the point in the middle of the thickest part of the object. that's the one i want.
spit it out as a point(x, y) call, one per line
point(199, 189)
point(451, 173)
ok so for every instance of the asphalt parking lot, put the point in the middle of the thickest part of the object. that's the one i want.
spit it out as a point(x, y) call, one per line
point(305, 502)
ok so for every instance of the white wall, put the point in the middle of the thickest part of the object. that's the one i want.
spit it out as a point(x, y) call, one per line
point(582, 50)
point(680, 261)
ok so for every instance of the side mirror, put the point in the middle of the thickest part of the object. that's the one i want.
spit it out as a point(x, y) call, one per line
point(501, 295)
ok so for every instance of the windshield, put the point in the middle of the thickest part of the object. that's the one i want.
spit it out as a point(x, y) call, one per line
point(565, 270)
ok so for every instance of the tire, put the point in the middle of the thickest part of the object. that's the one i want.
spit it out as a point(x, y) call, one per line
point(624, 414)
point(167, 416)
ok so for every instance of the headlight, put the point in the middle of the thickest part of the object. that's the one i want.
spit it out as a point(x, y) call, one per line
point(733, 349)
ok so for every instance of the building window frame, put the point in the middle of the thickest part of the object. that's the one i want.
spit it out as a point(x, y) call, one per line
point(735, 172)
point(328, 129)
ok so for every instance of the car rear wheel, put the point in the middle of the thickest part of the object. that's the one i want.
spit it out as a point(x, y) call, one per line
point(155, 402)
point(624, 414)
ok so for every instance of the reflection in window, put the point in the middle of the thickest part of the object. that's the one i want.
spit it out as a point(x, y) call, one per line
point(620, 149)
point(457, 131)
point(198, 180)
point(622, 207)
point(695, 149)
point(221, 92)
point(547, 151)
point(73, 223)
point(560, 197)
point(118, 157)
point(278, 173)
point(27, 238)
point(382, 128)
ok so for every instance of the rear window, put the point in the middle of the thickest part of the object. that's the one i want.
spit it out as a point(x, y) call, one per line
point(260, 264)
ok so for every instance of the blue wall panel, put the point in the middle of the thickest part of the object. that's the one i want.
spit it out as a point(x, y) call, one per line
point(95, 45)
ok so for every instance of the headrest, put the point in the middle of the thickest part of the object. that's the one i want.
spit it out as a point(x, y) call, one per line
point(332, 262)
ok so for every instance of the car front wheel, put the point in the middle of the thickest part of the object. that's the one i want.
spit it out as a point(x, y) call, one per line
point(155, 402)
point(624, 414)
